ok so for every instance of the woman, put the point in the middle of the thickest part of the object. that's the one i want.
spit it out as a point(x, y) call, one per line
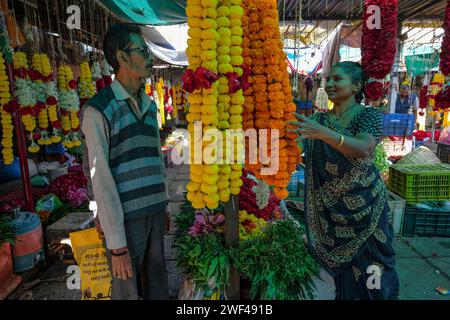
point(346, 200)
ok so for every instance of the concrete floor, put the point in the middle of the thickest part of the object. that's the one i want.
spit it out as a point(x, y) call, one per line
point(422, 263)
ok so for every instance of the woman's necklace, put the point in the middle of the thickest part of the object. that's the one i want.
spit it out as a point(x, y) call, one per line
point(339, 115)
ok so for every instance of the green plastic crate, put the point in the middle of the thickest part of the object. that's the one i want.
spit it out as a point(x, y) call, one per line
point(422, 222)
point(418, 183)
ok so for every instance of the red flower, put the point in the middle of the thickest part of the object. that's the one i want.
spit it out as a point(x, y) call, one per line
point(11, 106)
point(72, 84)
point(374, 91)
point(443, 99)
point(39, 106)
point(36, 135)
point(234, 81)
point(83, 101)
point(188, 79)
point(51, 101)
point(56, 124)
point(108, 80)
point(379, 45)
point(100, 83)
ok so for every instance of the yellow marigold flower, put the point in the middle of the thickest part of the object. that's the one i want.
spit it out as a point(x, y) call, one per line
point(224, 59)
point(236, 51)
point(210, 34)
point(194, 11)
point(223, 50)
point(224, 42)
point(235, 22)
point(208, 24)
point(236, 109)
point(210, 178)
point(209, 189)
point(225, 68)
point(237, 60)
point(210, 65)
point(235, 191)
point(224, 32)
point(236, 12)
point(223, 22)
point(198, 204)
point(208, 55)
point(211, 169)
point(209, 13)
point(223, 11)
point(224, 195)
point(236, 40)
point(209, 44)
point(195, 33)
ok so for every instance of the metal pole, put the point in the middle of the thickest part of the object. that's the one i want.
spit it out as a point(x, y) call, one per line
point(21, 150)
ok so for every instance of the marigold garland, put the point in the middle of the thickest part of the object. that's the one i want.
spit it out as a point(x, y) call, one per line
point(214, 55)
point(25, 94)
point(6, 115)
point(70, 105)
point(268, 102)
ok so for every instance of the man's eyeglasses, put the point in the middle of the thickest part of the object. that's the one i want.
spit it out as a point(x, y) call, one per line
point(147, 53)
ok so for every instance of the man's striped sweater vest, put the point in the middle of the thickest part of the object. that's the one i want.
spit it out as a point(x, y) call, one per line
point(134, 155)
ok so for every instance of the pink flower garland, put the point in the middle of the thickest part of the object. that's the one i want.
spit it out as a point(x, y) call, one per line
point(379, 46)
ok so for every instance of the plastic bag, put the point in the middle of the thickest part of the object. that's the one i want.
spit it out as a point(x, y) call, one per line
point(49, 203)
point(90, 254)
point(39, 181)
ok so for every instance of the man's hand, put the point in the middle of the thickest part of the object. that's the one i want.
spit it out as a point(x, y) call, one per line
point(121, 265)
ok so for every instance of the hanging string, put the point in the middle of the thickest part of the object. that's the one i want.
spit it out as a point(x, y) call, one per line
point(52, 48)
point(19, 44)
point(40, 30)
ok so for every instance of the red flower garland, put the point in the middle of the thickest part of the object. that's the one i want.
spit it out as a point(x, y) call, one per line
point(377, 59)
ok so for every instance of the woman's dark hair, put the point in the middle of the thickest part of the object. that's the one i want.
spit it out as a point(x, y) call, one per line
point(117, 38)
point(356, 72)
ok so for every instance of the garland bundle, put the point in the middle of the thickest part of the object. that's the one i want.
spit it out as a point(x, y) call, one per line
point(6, 115)
point(216, 97)
point(268, 101)
point(443, 98)
point(379, 46)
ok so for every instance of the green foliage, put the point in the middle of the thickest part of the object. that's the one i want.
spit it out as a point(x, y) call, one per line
point(381, 161)
point(203, 258)
point(7, 233)
point(277, 263)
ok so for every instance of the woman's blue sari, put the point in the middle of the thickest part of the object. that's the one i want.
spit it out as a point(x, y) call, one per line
point(347, 214)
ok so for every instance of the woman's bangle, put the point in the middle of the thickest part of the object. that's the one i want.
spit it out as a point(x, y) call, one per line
point(341, 142)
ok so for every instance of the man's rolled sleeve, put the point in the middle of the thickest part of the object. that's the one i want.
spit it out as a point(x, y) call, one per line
point(108, 205)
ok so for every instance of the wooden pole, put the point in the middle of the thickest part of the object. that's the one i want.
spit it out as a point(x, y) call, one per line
point(232, 240)
point(21, 150)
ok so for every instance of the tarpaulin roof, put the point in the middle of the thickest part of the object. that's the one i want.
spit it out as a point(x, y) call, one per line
point(152, 12)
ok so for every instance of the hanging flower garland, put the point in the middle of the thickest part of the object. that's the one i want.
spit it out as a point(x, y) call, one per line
point(434, 90)
point(70, 106)
point(214, 53)
point(97, 76)
point(268, 102)
point(379, 46)
point(174, 95)
point(106, 74)
point(41, 74)
point(160, 93)
point(6, 114)
point(86, 85)
point(26, 98)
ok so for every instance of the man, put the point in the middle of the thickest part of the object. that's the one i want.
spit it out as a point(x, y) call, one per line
point(406, 101)
point(125, 165)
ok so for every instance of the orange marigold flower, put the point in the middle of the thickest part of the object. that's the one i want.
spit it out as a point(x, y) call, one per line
point(276, 96)
point(277, 113)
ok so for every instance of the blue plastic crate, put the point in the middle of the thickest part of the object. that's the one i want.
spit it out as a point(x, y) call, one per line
point(398, 125)
point(304, 104)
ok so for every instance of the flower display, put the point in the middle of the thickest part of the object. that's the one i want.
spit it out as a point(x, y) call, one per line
point(6, 115)
point(444, 64)
point(69, 188)
point(435, 87)
point(205, 223)
point(160, 93)
point(70, 105)
point(106, 74)
point(250, 226)
point(377, 60)
point(43, 75)
point(268, 101)
point(97, 76)
point(86, 85)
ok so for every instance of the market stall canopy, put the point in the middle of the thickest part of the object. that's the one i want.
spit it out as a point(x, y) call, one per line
point(151, 12)
point(168, 43)
point(352, 9)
